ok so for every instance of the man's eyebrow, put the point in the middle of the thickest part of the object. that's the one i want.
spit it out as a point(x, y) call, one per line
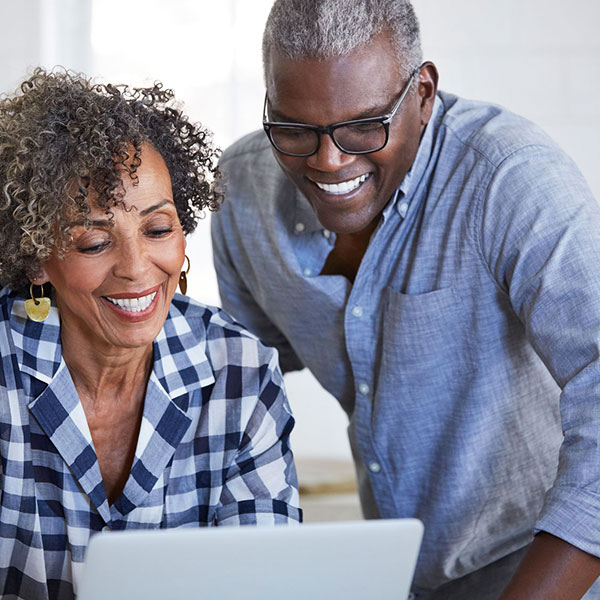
point(154, 207)
point(280, 117)
point(368, 113)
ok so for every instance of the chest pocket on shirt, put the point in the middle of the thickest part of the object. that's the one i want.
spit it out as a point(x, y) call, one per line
point(424, 341)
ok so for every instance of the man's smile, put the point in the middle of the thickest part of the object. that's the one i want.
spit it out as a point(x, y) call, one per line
point(343, 187)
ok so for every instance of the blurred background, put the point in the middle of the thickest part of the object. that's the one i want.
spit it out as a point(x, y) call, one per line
point(540, 58)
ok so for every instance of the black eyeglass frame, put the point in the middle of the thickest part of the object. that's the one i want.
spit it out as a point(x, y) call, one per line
point(385, 120)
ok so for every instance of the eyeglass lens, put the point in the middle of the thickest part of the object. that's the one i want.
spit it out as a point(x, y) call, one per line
point(359, 137)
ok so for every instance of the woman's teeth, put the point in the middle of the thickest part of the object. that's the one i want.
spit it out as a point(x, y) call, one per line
point(133, 304)
point(342, 188)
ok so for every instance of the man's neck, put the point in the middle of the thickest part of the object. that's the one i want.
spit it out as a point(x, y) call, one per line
point(348, 252)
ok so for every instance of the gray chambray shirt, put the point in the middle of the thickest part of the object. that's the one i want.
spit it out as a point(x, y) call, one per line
point(466, 353)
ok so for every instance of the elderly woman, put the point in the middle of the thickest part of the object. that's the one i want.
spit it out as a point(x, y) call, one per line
point(123, 405)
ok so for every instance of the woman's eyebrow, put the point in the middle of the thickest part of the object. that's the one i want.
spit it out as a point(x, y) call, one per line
point(110, 222)
point(93, 223)
point(154, 207)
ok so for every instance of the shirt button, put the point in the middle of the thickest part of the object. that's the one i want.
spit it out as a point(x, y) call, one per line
point(374, 467)
point(403, 208)
point(363, 388)
point(307, 272)
point(106, 528)
point(326, 233)
point(357, 311)
point(299, 227)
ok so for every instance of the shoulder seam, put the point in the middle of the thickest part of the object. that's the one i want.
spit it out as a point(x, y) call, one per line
point(478, 224)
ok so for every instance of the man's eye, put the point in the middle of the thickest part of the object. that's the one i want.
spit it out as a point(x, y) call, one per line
point(364, 127)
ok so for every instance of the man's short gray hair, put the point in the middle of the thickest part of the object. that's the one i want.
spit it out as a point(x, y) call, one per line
point(324, 29)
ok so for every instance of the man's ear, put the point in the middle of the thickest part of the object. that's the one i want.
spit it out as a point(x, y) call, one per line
point(428, 82)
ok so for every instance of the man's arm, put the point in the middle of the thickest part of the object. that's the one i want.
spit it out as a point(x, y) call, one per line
point(236, 299)
point(542, 244)
point(553, 570)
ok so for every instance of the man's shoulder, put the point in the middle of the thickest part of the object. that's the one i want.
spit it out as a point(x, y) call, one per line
point(252, 178)
point(251, 147)
point(490, 130)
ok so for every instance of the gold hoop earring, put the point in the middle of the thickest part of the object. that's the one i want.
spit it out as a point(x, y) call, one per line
point(37, 309)
point(183, 277)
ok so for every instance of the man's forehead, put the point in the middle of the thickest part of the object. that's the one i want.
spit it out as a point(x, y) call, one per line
point(341, 87)
point(366, 60)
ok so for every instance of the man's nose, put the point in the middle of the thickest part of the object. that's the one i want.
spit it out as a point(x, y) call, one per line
point(328, 157)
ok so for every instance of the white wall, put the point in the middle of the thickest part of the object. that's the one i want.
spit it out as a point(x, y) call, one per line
point(540, 58)
point(43, 32)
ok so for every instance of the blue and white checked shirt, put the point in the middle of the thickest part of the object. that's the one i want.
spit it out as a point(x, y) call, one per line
point(212, 449)
point(467, 351)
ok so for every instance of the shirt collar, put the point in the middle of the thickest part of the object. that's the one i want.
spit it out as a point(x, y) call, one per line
point(403, 196)
point(304, 217)
point(180, 367)
point(37, 344)
point(180, 362)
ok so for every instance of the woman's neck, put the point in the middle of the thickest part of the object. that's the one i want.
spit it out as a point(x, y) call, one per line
point(106, 374)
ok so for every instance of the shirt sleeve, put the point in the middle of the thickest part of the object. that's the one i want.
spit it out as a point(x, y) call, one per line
point(261, 485)
point(540, 237)
point(236, 297)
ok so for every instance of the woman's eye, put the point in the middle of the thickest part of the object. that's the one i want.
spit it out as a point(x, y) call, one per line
point(94, 248)
point(159, 232)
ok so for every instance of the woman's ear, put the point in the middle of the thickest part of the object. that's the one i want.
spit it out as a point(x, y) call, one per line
point(38, 277)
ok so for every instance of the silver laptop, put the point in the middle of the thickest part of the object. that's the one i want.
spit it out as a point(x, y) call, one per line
point(324, 561)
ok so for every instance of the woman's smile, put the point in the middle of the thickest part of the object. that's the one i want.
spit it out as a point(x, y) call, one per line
point(134, 307)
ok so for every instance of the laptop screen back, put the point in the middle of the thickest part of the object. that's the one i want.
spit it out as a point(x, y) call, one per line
point(349, 561)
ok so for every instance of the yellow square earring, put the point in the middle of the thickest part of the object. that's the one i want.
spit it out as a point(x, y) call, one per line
point(183, 277)
point(37, 309)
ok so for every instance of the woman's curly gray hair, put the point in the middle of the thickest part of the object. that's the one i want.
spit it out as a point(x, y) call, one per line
point(63, 135)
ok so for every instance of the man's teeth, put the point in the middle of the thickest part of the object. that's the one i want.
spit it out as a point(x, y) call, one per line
point(342, 188)
point(133, 304)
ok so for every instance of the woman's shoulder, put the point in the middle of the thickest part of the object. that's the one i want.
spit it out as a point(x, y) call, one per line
point(7, 299)
point(227, 341)
point(8, 350)
point(207, 320)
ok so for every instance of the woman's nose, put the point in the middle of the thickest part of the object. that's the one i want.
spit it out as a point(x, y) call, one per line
point(131, 261)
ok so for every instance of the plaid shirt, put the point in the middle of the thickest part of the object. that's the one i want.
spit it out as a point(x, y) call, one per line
point(212, 449)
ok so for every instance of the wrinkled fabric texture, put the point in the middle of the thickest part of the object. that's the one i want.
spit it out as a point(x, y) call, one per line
point(465, 353)
point(213, 446)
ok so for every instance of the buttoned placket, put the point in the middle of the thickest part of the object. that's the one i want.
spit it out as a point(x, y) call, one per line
point(358, 323)
point(319, 242)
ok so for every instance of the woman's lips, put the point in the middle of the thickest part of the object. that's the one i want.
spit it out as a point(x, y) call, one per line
point(131, 307)
point(135, 304)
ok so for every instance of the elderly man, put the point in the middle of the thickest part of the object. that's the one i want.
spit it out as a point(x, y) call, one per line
point(435, 262)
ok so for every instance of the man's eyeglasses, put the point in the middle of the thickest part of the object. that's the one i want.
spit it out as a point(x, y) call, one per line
point(360, 136)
